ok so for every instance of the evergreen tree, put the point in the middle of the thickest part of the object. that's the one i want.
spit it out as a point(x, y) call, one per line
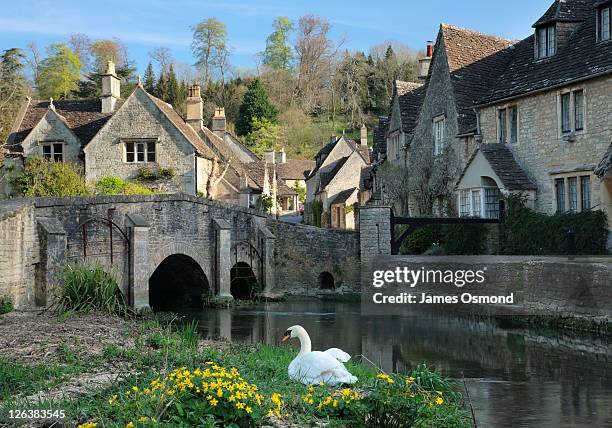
point(12, 88)
point(255, 105)
point(161, 89)
point(59, 72)
point(173, 87)
point(149, 79)
point(279, 53)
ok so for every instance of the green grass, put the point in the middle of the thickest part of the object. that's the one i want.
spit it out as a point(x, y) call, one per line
point(6, 305)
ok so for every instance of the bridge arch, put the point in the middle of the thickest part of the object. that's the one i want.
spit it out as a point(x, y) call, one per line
point(178, 282)
point(243, 282)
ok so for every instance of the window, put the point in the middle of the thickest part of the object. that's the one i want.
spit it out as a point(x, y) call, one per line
point(572, 111)
point(585, 187)
point(492, 197)
point(605, 24)
point(573, 194)
point(438, 123)
point(560, 193)
point(136, 151)
point(507, 125)
point(464, 203)
point(545, 41)
point(565, 113)
point(53, 151)
point(476, 203)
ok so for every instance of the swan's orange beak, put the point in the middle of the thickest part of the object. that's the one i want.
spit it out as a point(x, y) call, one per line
point(286, 336)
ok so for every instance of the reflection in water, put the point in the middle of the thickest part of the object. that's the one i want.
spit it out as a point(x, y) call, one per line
point(515, 378)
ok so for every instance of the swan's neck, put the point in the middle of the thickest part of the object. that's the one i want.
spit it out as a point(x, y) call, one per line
point(305, 345)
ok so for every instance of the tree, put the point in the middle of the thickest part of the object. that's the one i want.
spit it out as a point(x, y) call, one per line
point(13, 87)
point(161, 90)
point(278, 53)
point(209, 45)
point(47, 178)
point(351, 79)
point(265, 135)
point(108, 50)
point(163, 57)
point(59, 72)
point(149, 79)
point(81, 45)
point(173, 87)
point(256, 104)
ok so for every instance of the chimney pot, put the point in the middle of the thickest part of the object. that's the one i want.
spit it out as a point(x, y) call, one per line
point(269, 156)
point(364, 135)
point(194, 106)
point(429, 49)
point(219, 122)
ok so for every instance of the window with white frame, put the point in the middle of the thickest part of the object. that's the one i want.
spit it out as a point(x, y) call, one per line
point(464, 203)
point(571, 114)
point(545, 41)
point(438, 131)
point(53, 150)
point(604, 23)
point(492, 197)
point(139, 151)
point(573, 193)
point(507, 124)
point(479, 202)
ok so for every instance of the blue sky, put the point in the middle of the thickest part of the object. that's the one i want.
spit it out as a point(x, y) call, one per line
point(146, 24)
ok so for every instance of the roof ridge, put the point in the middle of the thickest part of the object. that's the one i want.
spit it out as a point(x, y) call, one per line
point(445, 25)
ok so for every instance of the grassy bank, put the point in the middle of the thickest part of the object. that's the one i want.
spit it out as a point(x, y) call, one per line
point(150, 372)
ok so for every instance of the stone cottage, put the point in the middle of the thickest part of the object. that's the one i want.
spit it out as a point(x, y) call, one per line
point(546, 121)
point(334, 183)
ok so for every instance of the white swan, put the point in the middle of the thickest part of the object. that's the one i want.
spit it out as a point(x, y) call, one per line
point(314, 367)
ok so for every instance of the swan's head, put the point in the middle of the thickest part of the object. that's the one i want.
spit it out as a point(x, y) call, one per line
point(293, 332)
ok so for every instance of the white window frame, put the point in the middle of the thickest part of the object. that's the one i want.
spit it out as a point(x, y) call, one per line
point(572, 111)
point(579, 176)
point(439, 125)
point(138, 141)
point(51, 144)
point(507, 108)
point(549, 49)
point(482, 212)
point(600, 23)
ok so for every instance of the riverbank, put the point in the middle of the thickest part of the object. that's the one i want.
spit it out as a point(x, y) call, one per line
point(104, 369)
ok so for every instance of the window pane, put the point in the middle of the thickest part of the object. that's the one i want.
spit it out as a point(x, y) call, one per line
point(129, 152)
point(573, 194)
point(501, 123)
point(560, 192)
point(585, 184)
point(513, 124)
point(565, 113)
point(464, 206)
point(604, 22)
point(46, 149)
point(541, 42)
point(578, 110)
point(151, 152)
point(492, 197)
point(476, 203)
point(550, 44)
point(140, 155)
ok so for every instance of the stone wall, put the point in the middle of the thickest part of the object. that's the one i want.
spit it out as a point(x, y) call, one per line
point(303, 252)
point(19, 253)
point(52, 128)
point(374, 231)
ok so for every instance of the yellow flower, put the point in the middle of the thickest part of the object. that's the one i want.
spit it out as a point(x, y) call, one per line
point(248, 409)
point(112, 400)
point(130, 425)
point(439, 400)
point(143, 419)
point(335, 403)
point(88, 425)
point(213, 402)
point(439, 392)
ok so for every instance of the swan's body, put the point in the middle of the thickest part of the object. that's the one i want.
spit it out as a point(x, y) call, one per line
point(314, 367)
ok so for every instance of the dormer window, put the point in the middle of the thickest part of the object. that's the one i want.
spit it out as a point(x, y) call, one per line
point(545, 41)
point(604, 20)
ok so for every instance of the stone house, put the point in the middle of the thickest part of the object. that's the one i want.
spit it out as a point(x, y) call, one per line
point(547, 117)
point(335, 181)
point(405, 103)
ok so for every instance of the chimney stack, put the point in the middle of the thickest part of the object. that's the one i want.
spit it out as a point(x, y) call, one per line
point(269, 157)
point(425, 62)
point(332, 138)
point(281, 157)
point(219, 123)
point(364, 135)
point(194, 107)
point(111, 88)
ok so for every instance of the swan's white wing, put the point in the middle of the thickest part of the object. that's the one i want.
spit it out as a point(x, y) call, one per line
point(338, 354)
point(316, 367)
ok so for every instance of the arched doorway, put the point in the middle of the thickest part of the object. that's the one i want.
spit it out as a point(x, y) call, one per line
point(177, 283)
point(243, 281)
point(326, 281)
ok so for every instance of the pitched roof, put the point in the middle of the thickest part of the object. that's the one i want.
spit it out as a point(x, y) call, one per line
point(410, 103)
point(83, 117)
point(366, 174)
point(563, 11)
point(380, 135)
point(256, 171)
point(502, 161)
point(605, 165)
point(475, 60)
point(343, 196)
point(295, 169)
point(327, 177)
point(363, 149)
point(579, 57)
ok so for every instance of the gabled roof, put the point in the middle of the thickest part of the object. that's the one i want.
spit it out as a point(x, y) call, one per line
point(256, 171)
point(363, 149)
point(475, 60)
point(380, 135)
point(605, 165)
point(502, 161)
point(83, 117)
point(295, 169)
point(410, 103)
point(327, 177)
point(563, 11)
point(343, 196)
point(580, 57)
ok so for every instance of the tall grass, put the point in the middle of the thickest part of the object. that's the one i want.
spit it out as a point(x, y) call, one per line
point(6, 305)
point(86, 288)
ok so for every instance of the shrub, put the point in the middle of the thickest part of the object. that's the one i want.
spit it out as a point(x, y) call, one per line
point(40, 177)
point(526, 232)
point(419, 240)
point(317, 212)
point(89, 288)
point(6, 305)
point(118, 186)
point(145, 173)
point(458, 239)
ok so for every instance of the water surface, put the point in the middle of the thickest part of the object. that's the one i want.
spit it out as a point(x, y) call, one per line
point(516, 378)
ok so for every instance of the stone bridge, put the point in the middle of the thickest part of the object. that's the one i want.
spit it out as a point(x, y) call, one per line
point(168, 249)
